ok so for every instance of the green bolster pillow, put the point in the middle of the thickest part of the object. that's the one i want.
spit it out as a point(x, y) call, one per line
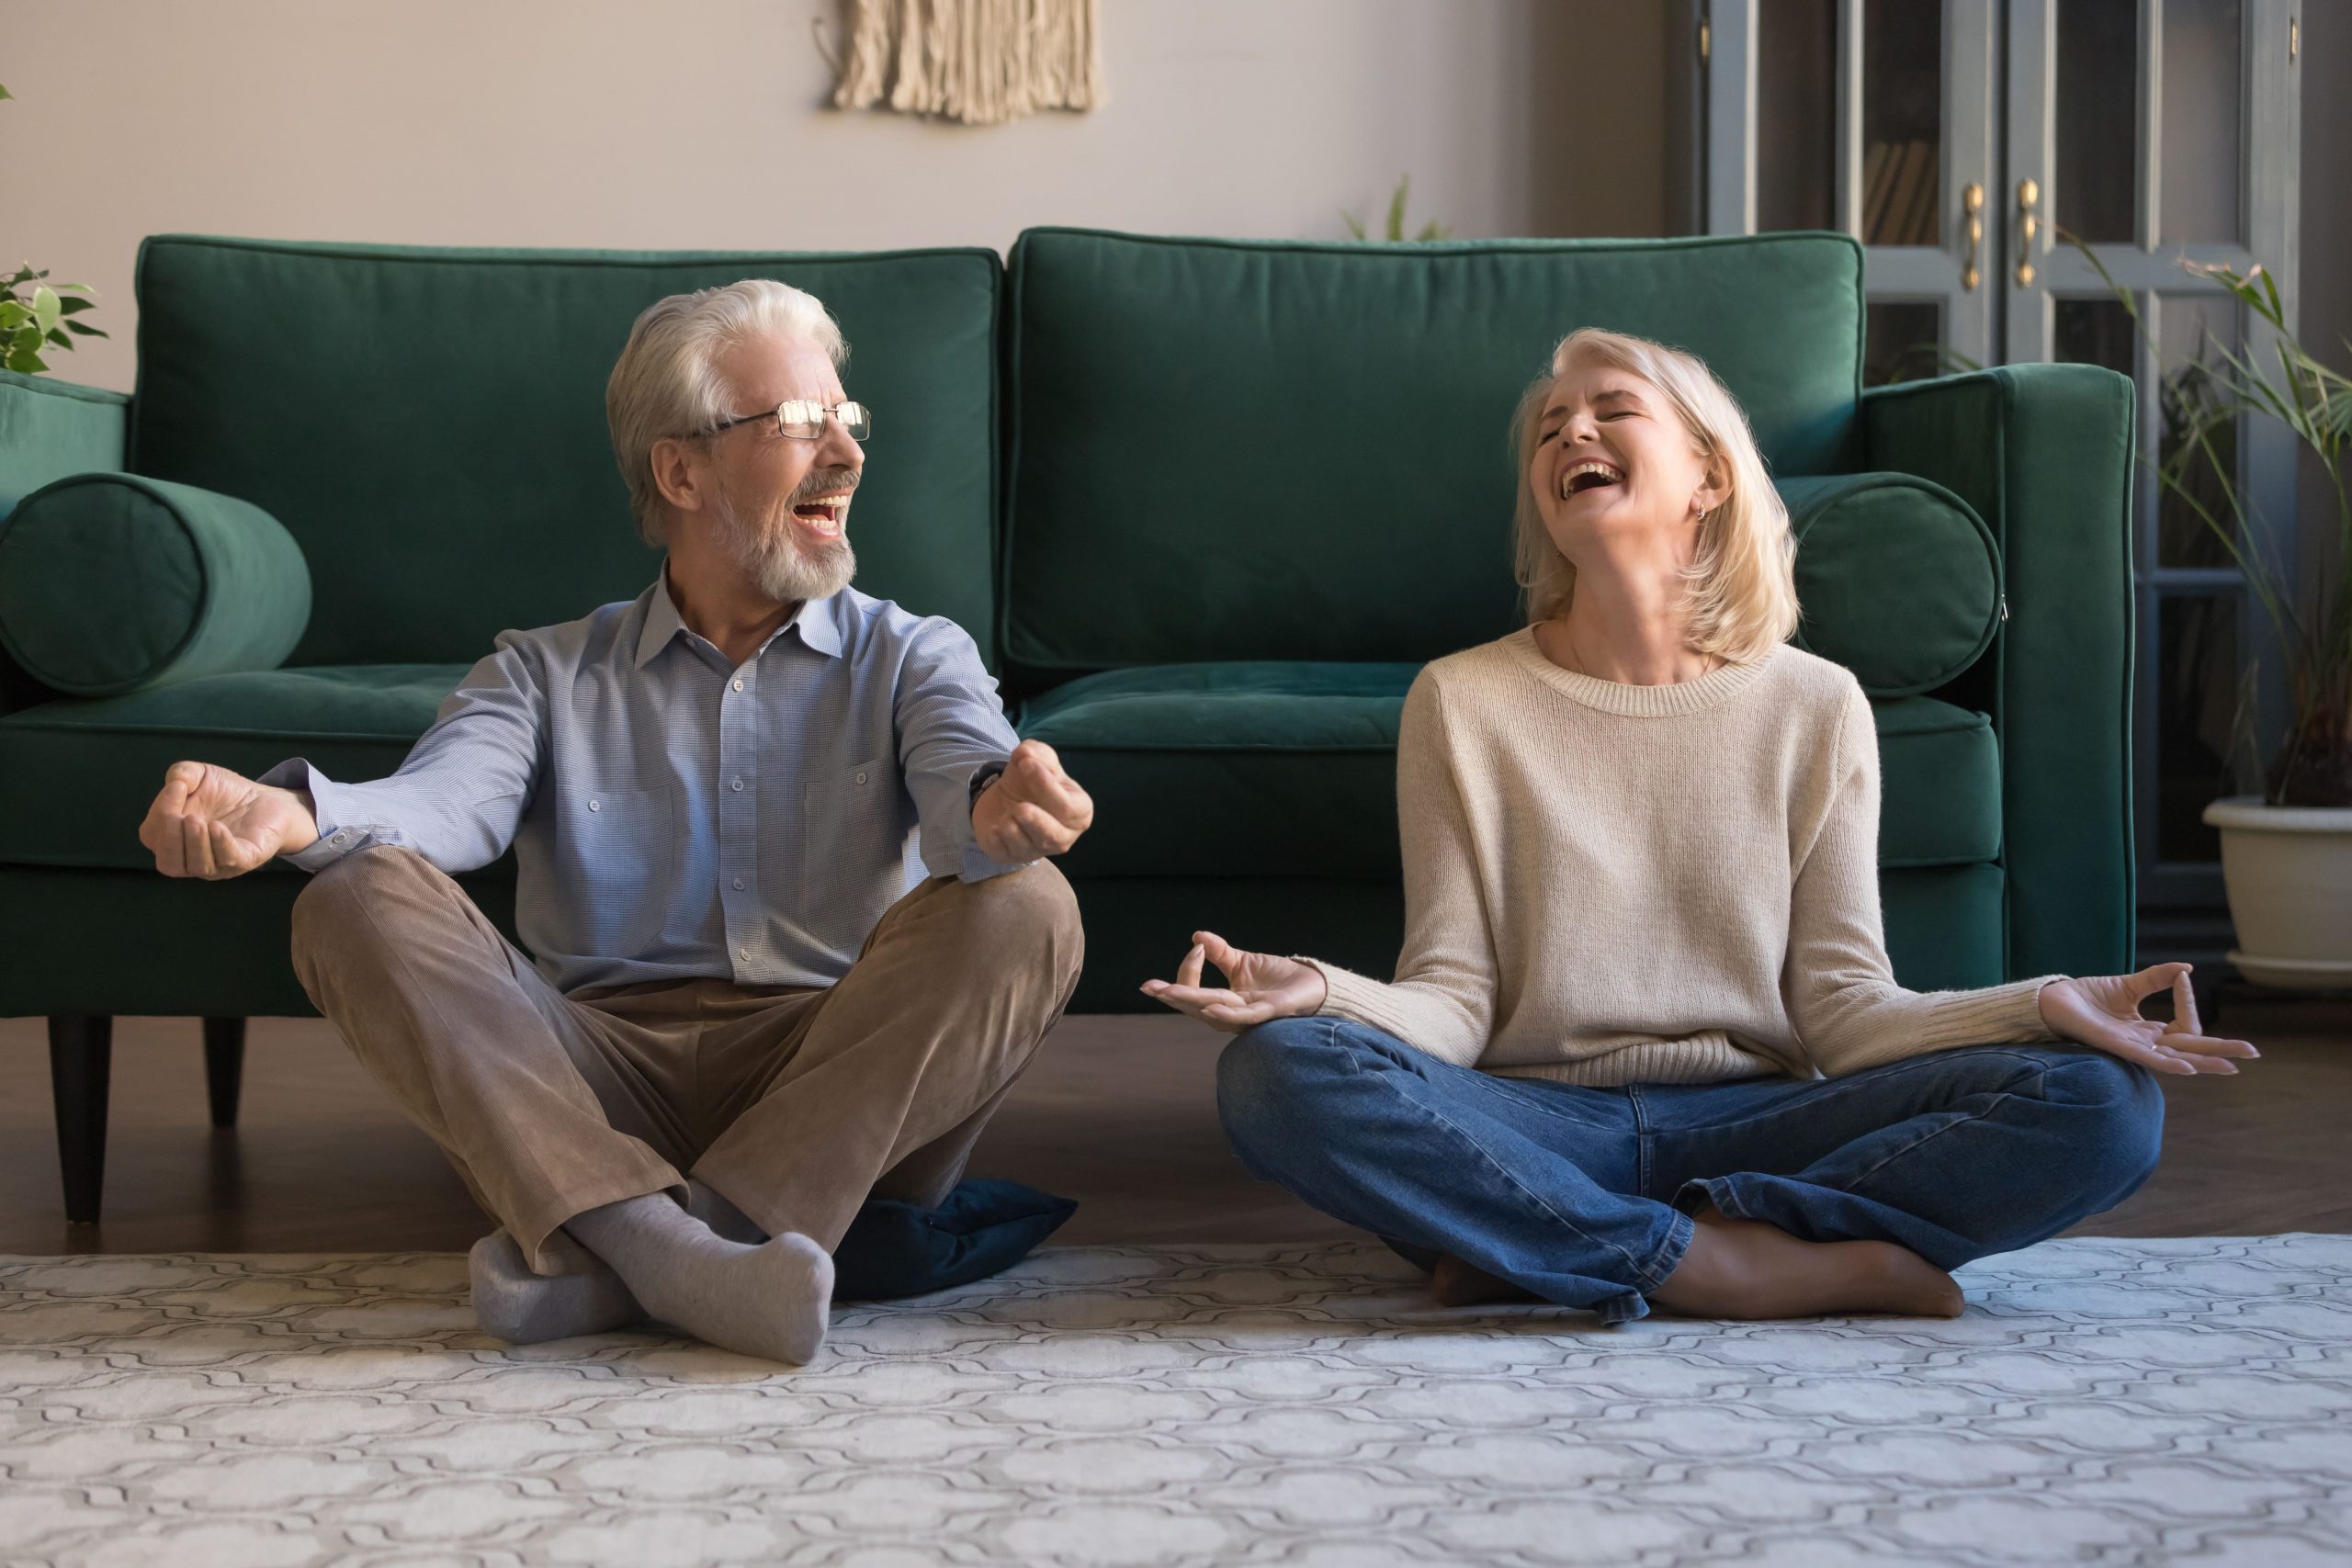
point(1898, 579)
point(111, 583)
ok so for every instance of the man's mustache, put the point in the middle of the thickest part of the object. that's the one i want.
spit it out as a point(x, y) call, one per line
point(826, 482)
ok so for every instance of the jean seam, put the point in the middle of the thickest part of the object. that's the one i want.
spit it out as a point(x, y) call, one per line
point(1641, 1139)
point(1491, 1084)
point(1894, 1154)
point(1853, 1081)
point(1718, 1188)
point(1648, 1277)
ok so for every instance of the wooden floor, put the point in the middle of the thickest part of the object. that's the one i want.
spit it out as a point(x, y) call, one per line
point(1118, 1113)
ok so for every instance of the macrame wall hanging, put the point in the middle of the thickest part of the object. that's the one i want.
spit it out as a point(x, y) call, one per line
point(980, 61)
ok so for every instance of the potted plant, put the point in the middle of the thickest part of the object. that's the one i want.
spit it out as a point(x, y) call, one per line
point(1429, 230)
point(2286, 851)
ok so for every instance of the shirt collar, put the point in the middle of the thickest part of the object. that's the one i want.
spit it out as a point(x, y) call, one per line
point(819, 631)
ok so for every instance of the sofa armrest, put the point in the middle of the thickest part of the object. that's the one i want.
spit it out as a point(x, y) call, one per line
point(2044, 454)
point(49, 429)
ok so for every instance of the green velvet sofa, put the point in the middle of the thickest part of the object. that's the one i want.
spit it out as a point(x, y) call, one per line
point(1207, 506)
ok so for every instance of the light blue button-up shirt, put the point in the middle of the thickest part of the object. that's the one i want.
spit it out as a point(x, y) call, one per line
point(674, 817)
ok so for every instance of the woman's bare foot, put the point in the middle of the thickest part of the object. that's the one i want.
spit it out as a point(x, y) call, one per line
point(1744, 1269)
point(1458, 1284)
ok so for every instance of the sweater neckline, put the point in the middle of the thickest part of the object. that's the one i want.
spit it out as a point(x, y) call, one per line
point(1630, 701)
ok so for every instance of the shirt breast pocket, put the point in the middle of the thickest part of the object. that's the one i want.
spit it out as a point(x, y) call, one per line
point(614, 848)
point(857, 823)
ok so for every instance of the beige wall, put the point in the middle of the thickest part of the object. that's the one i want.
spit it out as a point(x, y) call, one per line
point(700, 124)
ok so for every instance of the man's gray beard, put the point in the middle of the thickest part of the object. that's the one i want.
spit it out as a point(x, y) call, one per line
point(784, 570)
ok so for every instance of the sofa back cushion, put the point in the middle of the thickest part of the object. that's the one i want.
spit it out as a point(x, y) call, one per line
point(429, 424)
point(1245, 451)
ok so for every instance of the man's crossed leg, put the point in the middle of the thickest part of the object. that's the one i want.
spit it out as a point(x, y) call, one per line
point(614, 1126)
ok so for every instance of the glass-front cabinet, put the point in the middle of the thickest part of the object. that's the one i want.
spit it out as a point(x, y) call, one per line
point(1979, 148)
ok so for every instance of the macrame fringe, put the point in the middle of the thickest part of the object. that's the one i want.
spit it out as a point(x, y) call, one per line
point(980, 61)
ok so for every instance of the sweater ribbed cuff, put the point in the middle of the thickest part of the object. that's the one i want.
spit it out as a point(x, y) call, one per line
point(2008, 1014)
point(2019, 1016)
point(1361, 1000)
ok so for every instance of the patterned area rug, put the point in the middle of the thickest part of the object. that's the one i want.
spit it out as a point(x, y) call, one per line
point(2102, 1402)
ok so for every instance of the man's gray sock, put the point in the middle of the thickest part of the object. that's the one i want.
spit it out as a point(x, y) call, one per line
point(712, 1208)
point(523, 1308)
point(770, 1300)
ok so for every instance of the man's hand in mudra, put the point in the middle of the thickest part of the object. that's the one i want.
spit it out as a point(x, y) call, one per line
point(2103, 1012)
point(211, 823)
point(1260, 986)
point(1033, 808)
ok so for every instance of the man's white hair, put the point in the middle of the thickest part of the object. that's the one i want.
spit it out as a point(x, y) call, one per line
point(664, 383)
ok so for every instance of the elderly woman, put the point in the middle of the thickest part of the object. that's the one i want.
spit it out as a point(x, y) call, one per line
point(1644, 1043)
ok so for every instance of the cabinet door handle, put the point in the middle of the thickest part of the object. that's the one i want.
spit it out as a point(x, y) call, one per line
point(1971, 202)
point(2029, 227)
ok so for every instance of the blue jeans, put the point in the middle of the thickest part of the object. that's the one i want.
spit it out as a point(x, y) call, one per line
point(1584, 1196)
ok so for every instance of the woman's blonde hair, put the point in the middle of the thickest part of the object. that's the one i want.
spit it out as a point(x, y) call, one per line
point(1741, 585)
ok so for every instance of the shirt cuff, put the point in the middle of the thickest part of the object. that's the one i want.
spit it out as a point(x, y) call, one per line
point(976, 866)
point(962, 858)
point(336, 840)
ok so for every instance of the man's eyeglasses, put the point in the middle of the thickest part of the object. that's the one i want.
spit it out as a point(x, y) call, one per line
point(803, 420)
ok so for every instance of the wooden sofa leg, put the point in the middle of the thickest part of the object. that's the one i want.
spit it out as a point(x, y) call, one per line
point(80, 1059)
point(224, 1067)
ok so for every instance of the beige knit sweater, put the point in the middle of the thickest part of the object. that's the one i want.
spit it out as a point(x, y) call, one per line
point(1609, 884)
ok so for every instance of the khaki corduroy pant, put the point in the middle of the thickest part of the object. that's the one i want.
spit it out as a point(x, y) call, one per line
point(795, 1103)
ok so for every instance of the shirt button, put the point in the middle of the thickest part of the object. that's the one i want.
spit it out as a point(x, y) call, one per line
point(744, 953)
point(595, 805)
point(739, 784)
point(738, 884)
point(738, 685)
point(861, 775)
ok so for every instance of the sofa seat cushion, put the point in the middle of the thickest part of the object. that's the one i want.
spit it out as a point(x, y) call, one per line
point(1283, 769)
point(1289, 769)
point(1939, 777)
point(77, 774)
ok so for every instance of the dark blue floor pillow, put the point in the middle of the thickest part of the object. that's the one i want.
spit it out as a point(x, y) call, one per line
point(895, 1249)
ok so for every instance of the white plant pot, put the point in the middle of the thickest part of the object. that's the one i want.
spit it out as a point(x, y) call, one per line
point(2288, 871)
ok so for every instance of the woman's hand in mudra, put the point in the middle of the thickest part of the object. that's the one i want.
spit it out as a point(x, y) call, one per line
point(2104, 1013)
point(1260, 986)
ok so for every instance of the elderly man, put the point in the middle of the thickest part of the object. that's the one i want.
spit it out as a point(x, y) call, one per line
point(724, 798)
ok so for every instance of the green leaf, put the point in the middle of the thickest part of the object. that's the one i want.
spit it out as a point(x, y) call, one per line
point(74, 307)
point(23, 274)
point(73, 287)
point(26, 337)
point(1396, 208)
point(1355, 224)
point(6, 94)
point(45, 307)
point(24, 362)
point(57, 336)
point(85, 330)
point(13, 315)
